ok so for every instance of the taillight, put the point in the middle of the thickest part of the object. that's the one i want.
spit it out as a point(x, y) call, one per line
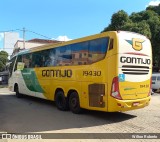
point(115, 89)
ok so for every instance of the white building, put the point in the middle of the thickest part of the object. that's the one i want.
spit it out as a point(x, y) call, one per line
point(21, 45)
point(10, 38)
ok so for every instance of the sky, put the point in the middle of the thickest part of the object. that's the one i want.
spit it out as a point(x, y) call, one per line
point(62, 19)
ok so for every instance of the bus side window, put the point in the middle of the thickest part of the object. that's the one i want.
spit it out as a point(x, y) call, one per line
point(80, 53)
point(61, 56)
point(111, 43)
point(52, 57)
point(19, 59)
point(46, 59)
point(37, 59)
point(11, 66)
point(97, 49)
point(153, 78)
point(158, 78)
point(26, 59)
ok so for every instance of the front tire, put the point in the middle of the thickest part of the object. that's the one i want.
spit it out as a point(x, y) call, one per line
point(16, 89)
point(61, 101)
point(74, 103)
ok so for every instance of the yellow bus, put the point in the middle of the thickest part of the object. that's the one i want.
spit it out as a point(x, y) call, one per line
point(107, 72)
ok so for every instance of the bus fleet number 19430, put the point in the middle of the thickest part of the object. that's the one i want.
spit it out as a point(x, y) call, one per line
point(91, 73)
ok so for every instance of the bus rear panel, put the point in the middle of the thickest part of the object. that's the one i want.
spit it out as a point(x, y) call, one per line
point(131, 87)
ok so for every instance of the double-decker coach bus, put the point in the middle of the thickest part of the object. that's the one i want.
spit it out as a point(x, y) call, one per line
point(107, 72)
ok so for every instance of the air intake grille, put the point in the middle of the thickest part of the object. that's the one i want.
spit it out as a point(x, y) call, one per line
point(135, 70)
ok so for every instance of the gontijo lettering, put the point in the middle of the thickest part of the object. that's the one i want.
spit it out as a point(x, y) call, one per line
point(57, 73)
point(134, 60)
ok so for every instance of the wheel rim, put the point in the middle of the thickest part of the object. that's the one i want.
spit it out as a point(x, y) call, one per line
point(74, 102)
point(59, 101)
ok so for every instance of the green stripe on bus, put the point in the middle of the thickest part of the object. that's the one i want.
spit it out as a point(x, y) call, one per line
point(31, 80)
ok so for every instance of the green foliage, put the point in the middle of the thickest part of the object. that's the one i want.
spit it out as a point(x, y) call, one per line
point(145, 22)
point(119, 19)
point(154, 8)
point(3, 59)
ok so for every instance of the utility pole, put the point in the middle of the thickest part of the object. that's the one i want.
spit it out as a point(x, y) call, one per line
point(23, 38)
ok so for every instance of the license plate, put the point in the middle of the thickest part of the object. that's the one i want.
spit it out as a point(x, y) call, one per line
point(135, 104)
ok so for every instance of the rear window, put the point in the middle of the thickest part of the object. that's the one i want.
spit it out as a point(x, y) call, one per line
point(154, 78)
point(158, 78)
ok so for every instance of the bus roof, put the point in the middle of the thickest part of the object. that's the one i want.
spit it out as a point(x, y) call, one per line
point(54, 45)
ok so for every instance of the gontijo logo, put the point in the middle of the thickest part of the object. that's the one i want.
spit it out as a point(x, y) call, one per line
point(136, 43)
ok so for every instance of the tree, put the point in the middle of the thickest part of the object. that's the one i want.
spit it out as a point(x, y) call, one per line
point(118, 20)
point(154, 8)
point(3, 59)
point(145, 22)
point(121, 21)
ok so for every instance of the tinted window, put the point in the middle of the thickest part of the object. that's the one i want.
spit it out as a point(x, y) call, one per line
point(63, 56)
point(40, 58)
point(19, 59)
point(11, 65)
point(154, 78)
point(111, 44)
point(80, 53)
point(75, 54)
point(37, 59)
point(27, 60)
point(97, 49)
point(158, 78)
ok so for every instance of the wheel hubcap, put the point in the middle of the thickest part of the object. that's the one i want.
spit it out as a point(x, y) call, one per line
point(74, 102)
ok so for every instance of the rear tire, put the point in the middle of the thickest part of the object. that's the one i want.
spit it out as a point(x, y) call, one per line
point(74, 103)
point(61, 101)
point(16, 89)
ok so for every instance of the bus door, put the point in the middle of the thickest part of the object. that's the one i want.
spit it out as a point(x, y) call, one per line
point(27, 80)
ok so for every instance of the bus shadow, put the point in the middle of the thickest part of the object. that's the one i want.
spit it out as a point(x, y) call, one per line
point(110, 117)
point(31, 114)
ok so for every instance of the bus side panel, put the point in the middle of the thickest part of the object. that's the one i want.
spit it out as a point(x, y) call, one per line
point(21, 83)
point(52, 78)
point(17, 77)
point(26, 81)
point(83, 78)
point(112, 72)
point(94, 85)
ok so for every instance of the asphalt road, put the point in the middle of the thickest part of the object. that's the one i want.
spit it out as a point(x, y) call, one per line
point(30, 114)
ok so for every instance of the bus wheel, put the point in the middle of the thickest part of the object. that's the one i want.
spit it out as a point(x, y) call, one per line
point(74, 104)
point(61, 101)
point(16, 89)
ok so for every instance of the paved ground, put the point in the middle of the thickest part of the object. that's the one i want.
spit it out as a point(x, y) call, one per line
point(39, 116)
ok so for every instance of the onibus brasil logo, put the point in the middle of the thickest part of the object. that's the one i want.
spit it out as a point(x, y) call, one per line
point(136, 43)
